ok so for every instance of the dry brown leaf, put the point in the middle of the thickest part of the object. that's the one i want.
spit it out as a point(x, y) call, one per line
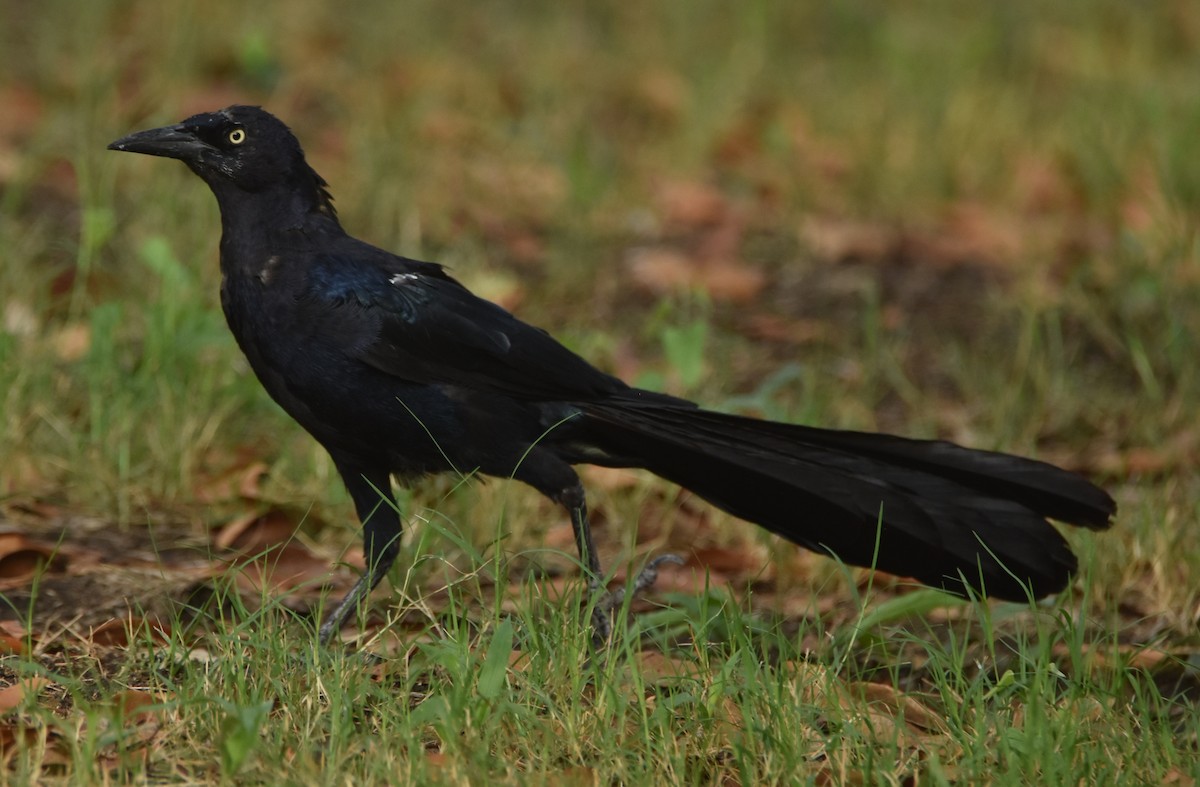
point(281, 569)
point(37, 508)
point(662, 92)
point(691, 204)
point(250, 481)
point(1042, 185)
point(71, 342)
point(21, 558)
point(655, 666)
point(243, 479)
point(119, 632)
point(1113, 659)
point(796, 331)
point(972, 232)
point(138, 706)
point(11, 542)
point(14, 638)
point(660, 271)
point(257, 530)
point(689, 580)
point(14, 737)
point(1180, 451)
point(842, 240)
point(968, 234)
point(877, 710)
point(1174, 776)
point(910, 709)
point(13, 696)
point(731, 280)
point(726, 561)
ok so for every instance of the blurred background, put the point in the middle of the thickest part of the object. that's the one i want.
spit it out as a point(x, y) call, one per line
point(971, 221)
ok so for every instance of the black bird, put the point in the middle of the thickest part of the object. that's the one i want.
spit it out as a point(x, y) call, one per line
point(399, 370)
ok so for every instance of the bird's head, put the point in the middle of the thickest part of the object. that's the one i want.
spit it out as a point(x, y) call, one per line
point(243, 147)
point(247, 146)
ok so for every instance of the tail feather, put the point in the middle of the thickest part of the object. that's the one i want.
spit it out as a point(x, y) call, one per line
point(952, 517)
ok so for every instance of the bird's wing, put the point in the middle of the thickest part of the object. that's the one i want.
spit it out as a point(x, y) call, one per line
point(419, 324)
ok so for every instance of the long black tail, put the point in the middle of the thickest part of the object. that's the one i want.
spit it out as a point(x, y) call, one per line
point(951, 517)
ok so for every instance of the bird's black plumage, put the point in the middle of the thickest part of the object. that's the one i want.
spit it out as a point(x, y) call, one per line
point(397, 369)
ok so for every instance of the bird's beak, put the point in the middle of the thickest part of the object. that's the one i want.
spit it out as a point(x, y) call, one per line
point(169, 141)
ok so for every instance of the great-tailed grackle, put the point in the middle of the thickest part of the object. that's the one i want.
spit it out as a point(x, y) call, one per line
point(397, 369)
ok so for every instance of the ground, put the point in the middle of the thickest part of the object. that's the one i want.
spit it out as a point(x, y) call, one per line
point(977, 225)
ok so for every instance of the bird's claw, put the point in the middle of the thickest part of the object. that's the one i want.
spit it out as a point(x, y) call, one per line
point(601, 612)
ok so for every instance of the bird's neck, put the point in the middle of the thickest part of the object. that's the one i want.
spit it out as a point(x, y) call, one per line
point(276, 220)
point(286, 208)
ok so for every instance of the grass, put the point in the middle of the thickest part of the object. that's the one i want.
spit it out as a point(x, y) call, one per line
point(985, 218)
point(728, 696)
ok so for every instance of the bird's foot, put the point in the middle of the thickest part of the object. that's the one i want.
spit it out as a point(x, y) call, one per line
point(602, 612)
point(332, 627)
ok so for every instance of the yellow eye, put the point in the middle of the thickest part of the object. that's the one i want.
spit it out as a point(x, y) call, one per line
point(237, 136)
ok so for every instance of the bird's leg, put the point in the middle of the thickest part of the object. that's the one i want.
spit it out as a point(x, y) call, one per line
point(577, 506)
point(376, 507)
point(574, 500)
point(347, 606)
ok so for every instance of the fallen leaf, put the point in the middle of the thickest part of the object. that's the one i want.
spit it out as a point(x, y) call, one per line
point(795, 331)
point(691, 204)
point(843, 240)
point(281, 569)
point(1174, 776)
point(1042, 185)
point(21, 558)
point(660, 270)
point(138, 706)
point(257, 530)
point(655, 666)
point(119, 632)
point(14, 638)
point(72, 342)
point(13, 696)
point(14, 737)
point(907, 707)
point(243, 479)
point(250, 481)
point(726, 561)
point(731, 280)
